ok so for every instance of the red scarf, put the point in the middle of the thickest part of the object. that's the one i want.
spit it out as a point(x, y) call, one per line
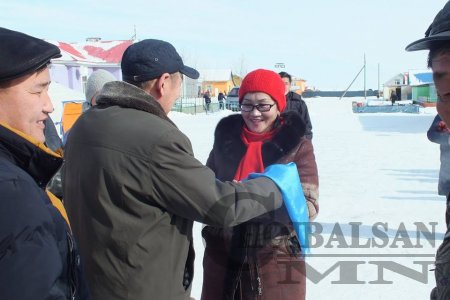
point(252, 160)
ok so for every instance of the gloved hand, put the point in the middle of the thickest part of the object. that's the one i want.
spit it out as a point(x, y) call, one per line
point(288, 181)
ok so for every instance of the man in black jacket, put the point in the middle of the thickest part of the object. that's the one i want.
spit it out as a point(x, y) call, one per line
point(38, 256)
point(295, 102)
point(437, 41)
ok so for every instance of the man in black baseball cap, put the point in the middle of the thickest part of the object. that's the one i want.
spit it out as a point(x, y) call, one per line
point(133, 199)
point(149, 64)
point(150, 58)
point(437, 41)
point(38, 256)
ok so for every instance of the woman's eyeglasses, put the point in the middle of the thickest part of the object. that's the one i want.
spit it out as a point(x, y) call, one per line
point(259, 107)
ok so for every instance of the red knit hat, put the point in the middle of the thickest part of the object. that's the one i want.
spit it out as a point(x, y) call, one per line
point(264, 81)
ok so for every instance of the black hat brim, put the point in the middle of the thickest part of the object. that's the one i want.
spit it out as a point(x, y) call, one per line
point(190, 72)
point(427, 42)
point(36, 66)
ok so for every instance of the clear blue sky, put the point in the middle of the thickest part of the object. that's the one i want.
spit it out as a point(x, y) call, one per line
point(323, 42)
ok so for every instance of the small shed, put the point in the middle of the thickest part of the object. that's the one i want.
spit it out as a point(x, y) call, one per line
point(398, 84)
point(422, 85)
point(218, 80)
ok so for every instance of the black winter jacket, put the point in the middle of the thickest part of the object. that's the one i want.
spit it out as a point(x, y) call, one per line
point(38, 256)
point(295, 102)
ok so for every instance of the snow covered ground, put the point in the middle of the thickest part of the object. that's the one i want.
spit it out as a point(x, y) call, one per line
point(373, 168)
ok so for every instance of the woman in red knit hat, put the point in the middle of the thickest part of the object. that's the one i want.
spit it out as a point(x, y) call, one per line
point(259, 259)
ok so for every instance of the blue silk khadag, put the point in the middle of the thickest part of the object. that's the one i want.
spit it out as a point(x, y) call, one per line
point(288, 181)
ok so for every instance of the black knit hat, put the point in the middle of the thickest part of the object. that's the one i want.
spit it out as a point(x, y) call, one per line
point(438, 31)
point(149, 59)
point(21, 54)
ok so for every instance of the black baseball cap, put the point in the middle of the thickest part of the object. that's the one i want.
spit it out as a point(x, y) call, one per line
point(438, 31)
point(21, 54)
point(149, 59)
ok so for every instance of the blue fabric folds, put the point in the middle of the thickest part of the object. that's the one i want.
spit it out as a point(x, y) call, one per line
point(288, 181)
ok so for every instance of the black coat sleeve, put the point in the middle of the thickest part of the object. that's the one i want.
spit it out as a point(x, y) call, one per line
point(296, 103)
point(30, 262)
point(307, 120)
point(52, 139)
point(210, 162)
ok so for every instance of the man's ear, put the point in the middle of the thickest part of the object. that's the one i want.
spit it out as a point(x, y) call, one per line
point(162, 84)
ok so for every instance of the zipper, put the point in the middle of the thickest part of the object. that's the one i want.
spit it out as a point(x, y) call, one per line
point(238, 280)
point(73, 261)
point(258, 279)
point(253, 268)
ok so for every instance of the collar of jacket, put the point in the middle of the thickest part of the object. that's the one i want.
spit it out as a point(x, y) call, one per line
point(292, 96)
point(34, 157)
point(127, 95)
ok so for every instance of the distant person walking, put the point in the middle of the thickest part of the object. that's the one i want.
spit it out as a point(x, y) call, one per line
point(221, 97)
point(393, 97)
point(207, 99)
point(295, 102)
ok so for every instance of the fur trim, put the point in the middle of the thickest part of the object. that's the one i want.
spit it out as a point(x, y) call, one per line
point(286, 139)
point(126, 95)
point(228, 145)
